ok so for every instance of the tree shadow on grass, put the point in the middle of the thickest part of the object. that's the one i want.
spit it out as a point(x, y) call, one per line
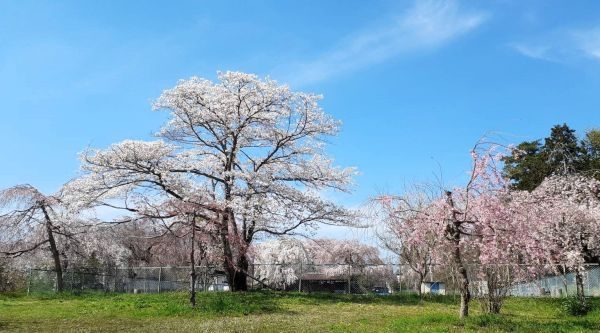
point(507, 323)
point(331, 298)
point(237, 303)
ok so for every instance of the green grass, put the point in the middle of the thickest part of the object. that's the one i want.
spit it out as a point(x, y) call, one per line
point(278, 312)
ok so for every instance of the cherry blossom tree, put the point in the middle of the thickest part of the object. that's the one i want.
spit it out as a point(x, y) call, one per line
point(468, 225)
point(505, 234)
point(399, 222)
point(564, 211)
point(341, 257)
point(33, 221)
point(280, 262)
point(243, 154)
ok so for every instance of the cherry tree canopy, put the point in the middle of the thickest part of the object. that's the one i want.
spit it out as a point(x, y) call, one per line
point(564, 215)
point(31, 221)
point(244, 154)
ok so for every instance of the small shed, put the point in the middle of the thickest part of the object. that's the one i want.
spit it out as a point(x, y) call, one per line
point(433, 287)
point(217, 281)
point(313, 282)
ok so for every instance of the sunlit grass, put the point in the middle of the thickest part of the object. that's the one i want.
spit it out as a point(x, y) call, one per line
point(278, 312)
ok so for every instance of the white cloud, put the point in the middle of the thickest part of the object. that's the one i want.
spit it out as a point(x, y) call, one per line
point(532, 51)
point(565, 46)
point(427, 25)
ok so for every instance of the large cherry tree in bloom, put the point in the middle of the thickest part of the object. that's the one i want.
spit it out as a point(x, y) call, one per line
point(243, 155)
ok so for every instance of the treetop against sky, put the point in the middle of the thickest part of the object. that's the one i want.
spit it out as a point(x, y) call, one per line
point(415, 84)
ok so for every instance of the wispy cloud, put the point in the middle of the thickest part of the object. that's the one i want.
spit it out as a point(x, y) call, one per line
point(532, 51)
point(564, 46)
point(588, 42)
point(427, 25)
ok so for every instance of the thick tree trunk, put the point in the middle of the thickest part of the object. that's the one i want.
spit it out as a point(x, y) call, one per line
point(236, 273)
point(55, 253)
point(230, 272)
point(228, 260)
point(235, 268)
point(241, 281)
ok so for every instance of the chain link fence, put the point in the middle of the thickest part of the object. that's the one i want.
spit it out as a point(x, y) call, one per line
point(559, 285)
point(128, 280)
point(334, 278)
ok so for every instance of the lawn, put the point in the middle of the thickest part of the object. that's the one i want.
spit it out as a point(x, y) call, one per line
point(278, 312)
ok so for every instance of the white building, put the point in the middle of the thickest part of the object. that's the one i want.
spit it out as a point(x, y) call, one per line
point(433, 287)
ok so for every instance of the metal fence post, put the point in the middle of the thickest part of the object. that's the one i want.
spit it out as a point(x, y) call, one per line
point(509, 281)
point(28, 280)
point(566, 282)
point(159, 278)
point(349, 279)
point(300, 279)
point(115, 280)
point(399, 278)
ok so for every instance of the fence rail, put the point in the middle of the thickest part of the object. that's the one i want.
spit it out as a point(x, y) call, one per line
point(128, 280)
point(335, 278)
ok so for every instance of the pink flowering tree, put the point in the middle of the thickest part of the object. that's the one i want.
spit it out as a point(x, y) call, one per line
point(564, 212)
point(399, 230)
point(472, 227)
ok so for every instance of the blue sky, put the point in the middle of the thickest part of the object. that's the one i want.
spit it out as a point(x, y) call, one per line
point(415, 84)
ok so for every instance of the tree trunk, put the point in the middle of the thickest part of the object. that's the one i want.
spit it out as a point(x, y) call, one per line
point(55, 253)
point(579, 284)
point(236, 273)
point(193, 267)
point(240, 281)
point(228, 260)
point(453, 230)
point(465, 295)
point(236, 269)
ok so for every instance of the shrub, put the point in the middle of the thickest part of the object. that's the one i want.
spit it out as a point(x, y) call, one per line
point(576, 307)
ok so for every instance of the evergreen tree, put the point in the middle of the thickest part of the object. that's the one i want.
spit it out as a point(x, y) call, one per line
point(561, 153)
point(591, 144)
point(527, 166)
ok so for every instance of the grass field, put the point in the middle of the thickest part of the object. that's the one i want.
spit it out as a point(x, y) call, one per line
point(278, 312)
